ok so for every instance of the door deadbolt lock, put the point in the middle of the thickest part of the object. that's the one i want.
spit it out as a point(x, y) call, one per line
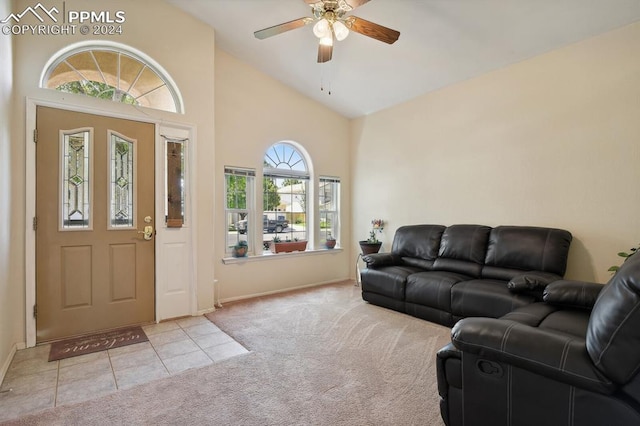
point(147, 233)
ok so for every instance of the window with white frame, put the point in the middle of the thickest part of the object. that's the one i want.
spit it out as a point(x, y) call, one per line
point(285, 187)
point(329, 208)
point(239, 195)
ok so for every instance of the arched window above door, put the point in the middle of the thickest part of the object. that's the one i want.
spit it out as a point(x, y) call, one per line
point(112, 72)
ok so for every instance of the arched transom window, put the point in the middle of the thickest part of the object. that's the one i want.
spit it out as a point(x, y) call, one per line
point(113, 73)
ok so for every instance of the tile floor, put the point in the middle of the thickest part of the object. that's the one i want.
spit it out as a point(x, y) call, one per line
point(33, 384)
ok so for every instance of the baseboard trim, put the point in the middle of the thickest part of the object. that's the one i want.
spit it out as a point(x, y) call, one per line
point(269, 293)
point(7, 362)
point(205, 311)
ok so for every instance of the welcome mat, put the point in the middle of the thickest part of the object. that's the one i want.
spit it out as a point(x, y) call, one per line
point(96, 342)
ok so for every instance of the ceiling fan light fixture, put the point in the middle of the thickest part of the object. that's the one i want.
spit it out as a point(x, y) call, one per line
point(330, 21)
point(326, 41)
point(340, 30)
point(322, 29)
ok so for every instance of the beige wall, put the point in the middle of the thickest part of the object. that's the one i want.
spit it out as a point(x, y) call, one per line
point(551, 141)
point(11, 292)
point(184, 47)
point(253, 112)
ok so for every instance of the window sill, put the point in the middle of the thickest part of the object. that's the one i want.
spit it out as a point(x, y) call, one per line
point(270, 256)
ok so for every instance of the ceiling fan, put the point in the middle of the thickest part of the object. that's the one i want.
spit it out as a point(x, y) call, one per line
point(330, 22)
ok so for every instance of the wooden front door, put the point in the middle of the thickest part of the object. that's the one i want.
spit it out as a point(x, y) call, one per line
point(94, 193)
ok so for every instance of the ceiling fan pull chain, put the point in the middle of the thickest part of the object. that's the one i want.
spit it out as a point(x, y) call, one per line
point(322, 68)
point(329, 66)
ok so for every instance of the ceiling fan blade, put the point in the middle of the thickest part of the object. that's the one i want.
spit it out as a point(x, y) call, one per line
point(324, 53)
point(281, 28)
point(373, 30)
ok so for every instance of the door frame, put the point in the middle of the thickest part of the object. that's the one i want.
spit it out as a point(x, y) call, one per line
point(189, 230)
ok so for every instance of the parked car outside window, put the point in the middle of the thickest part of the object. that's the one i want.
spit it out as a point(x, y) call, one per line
point(268, 225)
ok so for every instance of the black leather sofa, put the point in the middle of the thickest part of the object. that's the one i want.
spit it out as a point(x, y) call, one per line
point(571, 360)
point(443, 274)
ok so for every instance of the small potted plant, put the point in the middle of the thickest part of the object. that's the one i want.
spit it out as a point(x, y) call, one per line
point(330, 242)
point(372, 244)
point(240, 249)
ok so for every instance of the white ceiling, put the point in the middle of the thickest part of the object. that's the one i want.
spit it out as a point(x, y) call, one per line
point(441, 42)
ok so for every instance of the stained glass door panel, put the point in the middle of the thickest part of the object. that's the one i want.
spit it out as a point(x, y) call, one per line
point(95, 177)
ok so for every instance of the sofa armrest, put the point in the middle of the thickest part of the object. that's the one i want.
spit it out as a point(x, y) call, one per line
point(449, 374)
point(572, 294)
point(533, 280)
point(446, 377)
point(377, 260)
point(554, 355)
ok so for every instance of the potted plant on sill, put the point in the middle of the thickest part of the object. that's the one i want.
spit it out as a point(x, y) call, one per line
point(372, 244)
point(240, 249)
point(278, 246)
point(330, 242)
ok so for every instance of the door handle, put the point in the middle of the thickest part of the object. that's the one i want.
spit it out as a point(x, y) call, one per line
point(147, 234)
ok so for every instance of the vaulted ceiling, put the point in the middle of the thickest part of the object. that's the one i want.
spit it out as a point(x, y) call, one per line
point(442, 42)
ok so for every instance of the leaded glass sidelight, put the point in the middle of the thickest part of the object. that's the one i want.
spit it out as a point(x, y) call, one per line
point(76, 179)
point(122, 199)
point(175, 182)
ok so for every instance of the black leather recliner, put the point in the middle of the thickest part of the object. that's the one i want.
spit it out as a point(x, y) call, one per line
point(570, 360)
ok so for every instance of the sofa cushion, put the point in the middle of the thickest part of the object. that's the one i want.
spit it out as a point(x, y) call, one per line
point(544, 315)
point(485, 298)
point(497, 273)
point(531, 315)
point(417, 241)
point(418, 263)
point(432, 288)
point(465, 242)
point(528, 248)
point(463, 249)
point(570, 321)
point(388, 281)
point(613, 335)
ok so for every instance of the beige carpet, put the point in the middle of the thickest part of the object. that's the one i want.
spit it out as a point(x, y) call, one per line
point(318, 357)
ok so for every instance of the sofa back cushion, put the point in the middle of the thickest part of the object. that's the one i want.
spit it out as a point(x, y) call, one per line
point(613, 334)
point(418, 245)
point(513, 249)
point(463, 249)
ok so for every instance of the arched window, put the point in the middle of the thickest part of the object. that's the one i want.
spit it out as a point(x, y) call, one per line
point(288, 203)
point(285, 187)
point(113, 72)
